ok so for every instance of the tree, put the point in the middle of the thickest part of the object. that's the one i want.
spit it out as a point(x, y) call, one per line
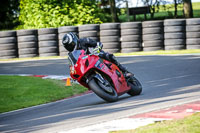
point(9, 10)
point(113, 10)
point(175, 8)
point(153, 4)
point(109, 6)
point(187, 7)
point(55, 13)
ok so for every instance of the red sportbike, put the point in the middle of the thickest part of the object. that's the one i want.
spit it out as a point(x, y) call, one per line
point(101, 76)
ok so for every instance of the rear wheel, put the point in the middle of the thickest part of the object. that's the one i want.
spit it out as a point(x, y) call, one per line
point(106, 92)
point(136, 87)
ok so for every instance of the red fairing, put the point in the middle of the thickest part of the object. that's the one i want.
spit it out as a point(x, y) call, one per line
point(119, 82)
point(87, 62)
point(80, 68)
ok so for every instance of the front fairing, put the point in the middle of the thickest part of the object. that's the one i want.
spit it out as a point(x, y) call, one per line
point(73, 57)
point(82, 63)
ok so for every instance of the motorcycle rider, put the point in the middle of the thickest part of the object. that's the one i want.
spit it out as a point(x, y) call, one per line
point(71, 42)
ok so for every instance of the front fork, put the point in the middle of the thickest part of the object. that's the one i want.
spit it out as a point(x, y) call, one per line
point(98, 77)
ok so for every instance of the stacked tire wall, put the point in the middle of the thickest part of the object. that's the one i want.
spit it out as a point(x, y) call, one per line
point(153, 37)
point(131, 37)
point(170, 34)
point(193, 33)
point(110, 37)
point(89, 31)
point(8, 45)
point(61, 32)
point(48, 42)
point(174, 34)
point(27, 43)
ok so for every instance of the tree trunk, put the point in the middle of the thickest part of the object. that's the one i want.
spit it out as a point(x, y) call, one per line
point(175, 8)
point(127, 11)
point(187, 7)
point(152, 11)
point(113, 10)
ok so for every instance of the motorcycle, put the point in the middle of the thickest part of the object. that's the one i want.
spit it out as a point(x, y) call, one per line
point(101, 76)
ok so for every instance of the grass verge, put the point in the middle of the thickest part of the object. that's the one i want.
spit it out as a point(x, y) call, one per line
point(18, 92)
point(34, 58)
point(161, 52)
point(190, 124)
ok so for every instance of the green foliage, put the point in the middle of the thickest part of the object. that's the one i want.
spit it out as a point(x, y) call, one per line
point(56, 13)
point(9, 10)
point(189, 124)
point(18, 92)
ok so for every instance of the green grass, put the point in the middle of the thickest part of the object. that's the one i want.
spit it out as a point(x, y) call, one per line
point(170, 7)
point(161, 52)
point(18, 92)
point(165, 12)
point(190, 124)
point(34, 58)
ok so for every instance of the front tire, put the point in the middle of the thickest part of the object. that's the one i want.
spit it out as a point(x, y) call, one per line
point(136, 87)
point(97, 87)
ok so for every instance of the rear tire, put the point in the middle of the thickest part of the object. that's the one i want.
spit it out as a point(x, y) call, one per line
point(98, 90)
point(136, 87)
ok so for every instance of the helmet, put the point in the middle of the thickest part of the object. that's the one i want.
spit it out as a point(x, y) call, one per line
point(70, 40)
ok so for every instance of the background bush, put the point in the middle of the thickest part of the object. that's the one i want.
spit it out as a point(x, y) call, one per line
point(55, 13)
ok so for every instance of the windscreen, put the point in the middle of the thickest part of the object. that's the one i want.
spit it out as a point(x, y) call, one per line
point(73, 56)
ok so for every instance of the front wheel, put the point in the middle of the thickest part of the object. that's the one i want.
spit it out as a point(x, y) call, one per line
point(106, 92)
point(136, 87)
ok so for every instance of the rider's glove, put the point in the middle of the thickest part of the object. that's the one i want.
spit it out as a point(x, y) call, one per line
point(96, 51)
point(98, 48)
point(100, 45)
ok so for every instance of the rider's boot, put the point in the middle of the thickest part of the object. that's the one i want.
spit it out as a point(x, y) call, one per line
point(122, 68)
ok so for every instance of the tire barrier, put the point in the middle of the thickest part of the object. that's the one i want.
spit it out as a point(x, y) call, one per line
point(174, 34)
point(27, 43)
point(8, 45)
point(90, 31)
point(170, 34)
point(152, 35)
point(110, 37)
point(48, 42)
point(131, 37)
point(61, 32)
point(193, 33)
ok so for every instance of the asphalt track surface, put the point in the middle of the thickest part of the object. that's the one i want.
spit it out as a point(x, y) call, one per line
point(167, 81)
